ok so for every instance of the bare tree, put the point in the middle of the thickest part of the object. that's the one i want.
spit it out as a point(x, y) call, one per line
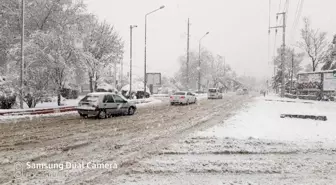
point(314, 43)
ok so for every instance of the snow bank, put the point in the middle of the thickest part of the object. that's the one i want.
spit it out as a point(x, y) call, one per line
point(31, 117)
point(160, 95)
point(261, 119)
point(53, 104)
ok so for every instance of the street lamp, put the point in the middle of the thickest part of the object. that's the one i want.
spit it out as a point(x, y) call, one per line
point(145, 70)
point(131, 27)
point(199, 62)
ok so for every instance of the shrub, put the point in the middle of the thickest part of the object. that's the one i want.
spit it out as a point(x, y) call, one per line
point(69, 93)
point(7, 102)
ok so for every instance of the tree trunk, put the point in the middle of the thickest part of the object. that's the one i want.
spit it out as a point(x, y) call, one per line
point(96, 83)
point(314, 66)
point(91, 83)
point(59, 97)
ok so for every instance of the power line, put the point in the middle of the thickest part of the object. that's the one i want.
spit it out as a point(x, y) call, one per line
point(297, 19)
point(269, 32)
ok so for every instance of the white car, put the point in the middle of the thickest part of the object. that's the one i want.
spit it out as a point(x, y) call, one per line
point(183, 97)
point(104, 104)
point(215, 93)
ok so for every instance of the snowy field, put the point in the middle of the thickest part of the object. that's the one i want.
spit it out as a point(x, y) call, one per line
point(254, 146)
point(262, 120)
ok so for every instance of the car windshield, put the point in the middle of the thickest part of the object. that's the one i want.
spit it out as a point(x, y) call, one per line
point(90, 98)
point(179, 93)
point(212, 90)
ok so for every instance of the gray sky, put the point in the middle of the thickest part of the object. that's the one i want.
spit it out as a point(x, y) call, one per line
point(238, 29)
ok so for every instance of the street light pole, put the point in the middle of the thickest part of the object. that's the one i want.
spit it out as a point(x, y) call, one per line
point(22, 55)
point(199, 62)
point(130, 89)
point(145, 62)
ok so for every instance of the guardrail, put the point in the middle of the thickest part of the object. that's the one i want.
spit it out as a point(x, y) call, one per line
point(38, 111)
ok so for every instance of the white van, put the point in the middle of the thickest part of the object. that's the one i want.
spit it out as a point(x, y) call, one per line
point(214, 93)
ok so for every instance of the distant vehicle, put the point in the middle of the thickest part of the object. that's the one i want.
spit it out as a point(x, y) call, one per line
point(46, 99)
point(104, 104)
point(242, 91)
point(215, 93)
point(183, 97)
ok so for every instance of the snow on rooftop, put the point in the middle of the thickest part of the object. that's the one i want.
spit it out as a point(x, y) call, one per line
point(137, 86)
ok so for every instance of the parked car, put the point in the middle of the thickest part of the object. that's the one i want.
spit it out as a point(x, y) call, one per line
point(183, 97)
point(242, 91)
point(215, 93)
point(104, 104)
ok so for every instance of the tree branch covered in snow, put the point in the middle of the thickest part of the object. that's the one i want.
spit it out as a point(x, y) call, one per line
point(53, 60)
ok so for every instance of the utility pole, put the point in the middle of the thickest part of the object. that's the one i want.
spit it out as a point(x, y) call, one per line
point(121, 73)
point(145, 56)
point(199, 67)
point(188, 56)
point(22, 55)
point(292, 71)
point(199, 62)
point(115, 74)
point(224, 67)
point(130, 89)
point(282, 93)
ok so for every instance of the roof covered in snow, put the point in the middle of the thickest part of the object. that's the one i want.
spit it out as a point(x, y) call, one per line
point(318, 72)
point(106, 87)
point(137, 86)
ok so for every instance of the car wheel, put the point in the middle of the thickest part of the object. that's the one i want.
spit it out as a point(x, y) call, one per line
point(102, 114)
point(83, 115)
point(171, 103)
point(131, 111)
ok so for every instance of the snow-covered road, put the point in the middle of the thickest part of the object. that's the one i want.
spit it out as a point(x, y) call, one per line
point(123, 141)
point(236, 140)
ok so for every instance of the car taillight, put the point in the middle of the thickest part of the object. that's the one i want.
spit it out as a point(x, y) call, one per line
point(171, 97)
point(182, 97)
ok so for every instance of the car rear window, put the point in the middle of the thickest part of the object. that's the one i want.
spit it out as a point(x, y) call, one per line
point(212, 90)
point(90, 98)
point(179, 93)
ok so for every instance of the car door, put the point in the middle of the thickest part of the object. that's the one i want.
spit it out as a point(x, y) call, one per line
point(189, 96)
point(121, 104)
point(109, 104)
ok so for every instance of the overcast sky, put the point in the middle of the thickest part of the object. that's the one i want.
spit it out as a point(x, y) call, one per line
point(238, 29)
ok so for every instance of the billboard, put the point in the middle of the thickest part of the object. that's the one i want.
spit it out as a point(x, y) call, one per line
point(154, 79)
point(329, 82)
point(153, 82)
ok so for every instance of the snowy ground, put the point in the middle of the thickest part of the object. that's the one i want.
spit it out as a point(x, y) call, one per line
point(236, 140)
point(255, 146)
